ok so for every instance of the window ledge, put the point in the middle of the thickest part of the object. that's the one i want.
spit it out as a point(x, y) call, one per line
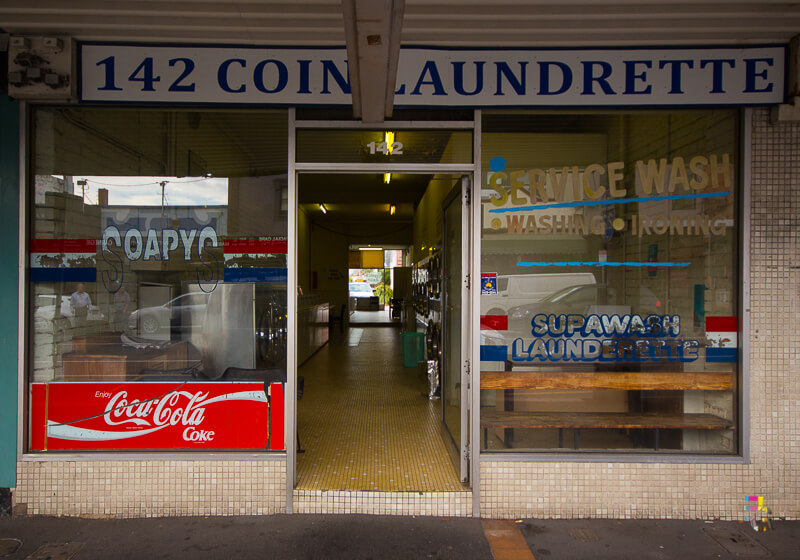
point(584, 457)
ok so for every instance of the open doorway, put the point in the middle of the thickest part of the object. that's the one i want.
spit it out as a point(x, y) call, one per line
point(369, 419)
point(376, 283)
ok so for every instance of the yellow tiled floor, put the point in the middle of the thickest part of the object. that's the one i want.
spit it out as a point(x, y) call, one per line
point(367, 317)
point(365, 421)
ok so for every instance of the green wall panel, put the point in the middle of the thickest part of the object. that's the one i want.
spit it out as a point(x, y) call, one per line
point(9, 286)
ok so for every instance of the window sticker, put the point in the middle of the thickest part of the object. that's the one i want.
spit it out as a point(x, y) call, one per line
point(488, 283)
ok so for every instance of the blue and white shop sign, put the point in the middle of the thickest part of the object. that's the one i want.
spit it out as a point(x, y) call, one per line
point(173, 74)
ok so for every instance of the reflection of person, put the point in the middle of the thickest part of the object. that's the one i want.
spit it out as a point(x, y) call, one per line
point(122, 302)
point(80, 303)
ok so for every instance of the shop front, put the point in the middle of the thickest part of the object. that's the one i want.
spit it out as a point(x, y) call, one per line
point(578, 245)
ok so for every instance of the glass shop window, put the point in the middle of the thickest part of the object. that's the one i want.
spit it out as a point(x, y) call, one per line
point(157, 279)
point(609, 282)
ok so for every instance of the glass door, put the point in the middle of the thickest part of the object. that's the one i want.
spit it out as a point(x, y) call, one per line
point(456, 321)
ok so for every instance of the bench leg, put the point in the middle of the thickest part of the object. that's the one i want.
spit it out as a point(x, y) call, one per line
point(508, 404)
point(560, 438)
point(576, 435)
point(656, 440)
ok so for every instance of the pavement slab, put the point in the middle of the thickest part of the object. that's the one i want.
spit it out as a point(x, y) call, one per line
point(610, 539)
point(275, 537)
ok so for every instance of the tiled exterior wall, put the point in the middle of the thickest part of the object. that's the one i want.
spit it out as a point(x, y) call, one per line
point(151, 488)
point(632, 490)
point(123, 489)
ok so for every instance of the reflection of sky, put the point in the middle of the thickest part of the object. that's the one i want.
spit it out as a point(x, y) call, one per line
point(146, 191)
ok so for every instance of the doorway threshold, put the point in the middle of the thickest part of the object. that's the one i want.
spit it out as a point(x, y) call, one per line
point(437, 504)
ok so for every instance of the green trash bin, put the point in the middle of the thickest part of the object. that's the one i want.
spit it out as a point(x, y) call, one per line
point(413, 348)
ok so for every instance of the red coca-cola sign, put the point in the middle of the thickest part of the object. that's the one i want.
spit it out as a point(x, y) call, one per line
point(157, 416)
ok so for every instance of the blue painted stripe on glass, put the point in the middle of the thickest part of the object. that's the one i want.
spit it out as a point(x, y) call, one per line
point(594, 263)
point(77, 274)
point(722, 355)
point(608, 201)
point(494, 353)
point(255, 275)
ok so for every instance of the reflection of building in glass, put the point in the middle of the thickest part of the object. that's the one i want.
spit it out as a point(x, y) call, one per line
point(152, 252)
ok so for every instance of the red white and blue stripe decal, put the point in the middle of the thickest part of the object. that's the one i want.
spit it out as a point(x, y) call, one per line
point(721, 333)
point(248, 260)
point(494, 353)
point(63, 260)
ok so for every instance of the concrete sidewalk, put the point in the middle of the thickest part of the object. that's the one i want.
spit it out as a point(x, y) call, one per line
point(281, 537)
point(601, 539)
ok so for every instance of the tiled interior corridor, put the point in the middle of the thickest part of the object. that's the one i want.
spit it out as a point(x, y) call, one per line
point(365, 421)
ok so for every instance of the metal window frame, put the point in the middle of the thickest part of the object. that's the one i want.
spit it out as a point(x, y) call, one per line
point(22, 290)
point(25, 137)
point(290, 395)
point(745, 215)
point(743, 396)
point(395, 125)
point(294, 169)
point(106, 456)
point(475, 304)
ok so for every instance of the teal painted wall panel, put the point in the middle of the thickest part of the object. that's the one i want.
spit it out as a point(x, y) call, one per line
point(9, 287)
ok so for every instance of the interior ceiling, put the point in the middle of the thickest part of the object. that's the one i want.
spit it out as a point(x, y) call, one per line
point(315, 188)
point(425, 22)
point(361, 197)
point(358, 205)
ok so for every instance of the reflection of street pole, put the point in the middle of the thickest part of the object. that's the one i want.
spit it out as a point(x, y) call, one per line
point(163, 184)
point(82, 184)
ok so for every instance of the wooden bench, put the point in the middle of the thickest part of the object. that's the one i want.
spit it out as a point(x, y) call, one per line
point(113, 362)
point(509, 419)
point(614, 420)
point(622, 381)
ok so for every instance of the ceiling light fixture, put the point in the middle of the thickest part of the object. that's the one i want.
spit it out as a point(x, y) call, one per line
point(322, 207)
point(388, 137)
point(387, 177)
point(370, 249)
point(392, 209)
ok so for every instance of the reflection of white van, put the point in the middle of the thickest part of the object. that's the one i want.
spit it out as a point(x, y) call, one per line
point(521, 289)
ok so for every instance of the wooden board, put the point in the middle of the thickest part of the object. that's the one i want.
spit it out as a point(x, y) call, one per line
point(501, 419)
point(95, 367)
point(623, 381)
point(96, 343)
point(119, 363)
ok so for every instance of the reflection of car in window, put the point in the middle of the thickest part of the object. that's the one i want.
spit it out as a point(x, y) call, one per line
point(361, 289)
point(46, 310)
point(587, 298)
point(183, 313)
point(522, 289)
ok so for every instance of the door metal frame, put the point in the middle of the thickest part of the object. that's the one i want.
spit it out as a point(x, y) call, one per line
point(475, 309)
point(294, 169)
point(463, 447)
